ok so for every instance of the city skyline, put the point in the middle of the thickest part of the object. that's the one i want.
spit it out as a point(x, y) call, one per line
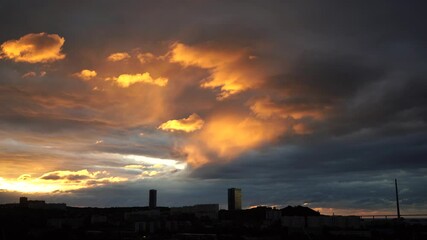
point(234, 203)
point(318, 104)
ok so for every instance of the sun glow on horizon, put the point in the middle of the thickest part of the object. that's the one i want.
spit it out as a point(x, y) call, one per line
point(26, 186)
point(65, 180)
point(58, 181)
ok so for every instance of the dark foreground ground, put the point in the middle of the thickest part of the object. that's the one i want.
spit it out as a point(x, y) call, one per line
point(142, 223)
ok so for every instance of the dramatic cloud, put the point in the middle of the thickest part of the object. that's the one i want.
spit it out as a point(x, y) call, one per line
point(86, 74)
point(119, 56)
point(189, 124)
point(228, 67)
point(34, 48)
point(225, 137)
point(195, 155)
point(231, 135)
point(126, 80)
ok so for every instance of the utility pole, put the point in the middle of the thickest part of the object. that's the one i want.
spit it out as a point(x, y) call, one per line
point(397, 200)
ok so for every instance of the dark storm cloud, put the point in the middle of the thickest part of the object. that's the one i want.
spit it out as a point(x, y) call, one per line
point(328, 77)
point(327, 156)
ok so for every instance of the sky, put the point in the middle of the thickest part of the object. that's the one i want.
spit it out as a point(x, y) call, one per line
point(314, 103)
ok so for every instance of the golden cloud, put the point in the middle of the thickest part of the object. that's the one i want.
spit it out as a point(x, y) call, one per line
point(24, 177)
point(59, 181)
point(119, 56)
point(85, 74)
point(125, 80)
point(149, 173)
point(227, 136)
point(189, 124)
point(229, 69)
point(135, 166)
point(34, 48)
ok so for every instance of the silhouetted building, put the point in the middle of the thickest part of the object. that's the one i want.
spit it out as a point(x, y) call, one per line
point(298, 211)
point(234, 199)
point(40, 204)
point(342, 222)
point(199, 210)
point(153, 198)
point(259, 217)
point(23, 202)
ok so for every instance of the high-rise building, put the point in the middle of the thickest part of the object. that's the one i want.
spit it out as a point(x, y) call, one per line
point(234, 199)
point(153, 198)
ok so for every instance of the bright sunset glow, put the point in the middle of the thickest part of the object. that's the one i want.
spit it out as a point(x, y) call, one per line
point(34, 48)
point(58, 181)
point(190, 124)
point(126, 80)
point(229, 136)
point(86, 74)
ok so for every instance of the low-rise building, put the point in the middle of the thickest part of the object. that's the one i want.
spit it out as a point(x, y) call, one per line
point(199, 210)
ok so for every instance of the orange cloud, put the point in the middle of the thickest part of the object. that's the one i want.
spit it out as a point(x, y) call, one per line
point(190, 124)
point(229, 69)
point(125, 80)
point(86, 74)
point(119, 56)
point(34, 48)
point(227, 136)
point(265, 108)
point(195, 155)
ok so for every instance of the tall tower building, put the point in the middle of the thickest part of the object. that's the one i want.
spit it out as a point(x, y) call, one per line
point(234, 199)
point(153, 198)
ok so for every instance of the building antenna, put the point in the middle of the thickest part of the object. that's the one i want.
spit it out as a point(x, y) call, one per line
point(397, 199)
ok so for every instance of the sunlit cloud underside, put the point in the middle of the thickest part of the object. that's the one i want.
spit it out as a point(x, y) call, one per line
point(65, 180)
